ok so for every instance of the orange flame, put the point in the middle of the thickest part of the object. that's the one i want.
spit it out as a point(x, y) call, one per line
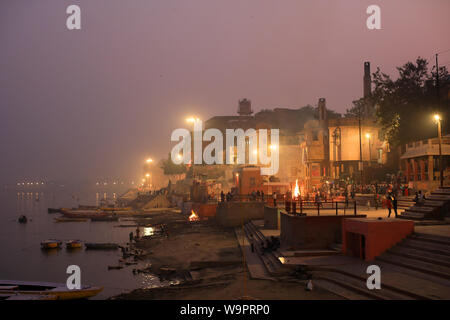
point(193, 216)
point(296, 190)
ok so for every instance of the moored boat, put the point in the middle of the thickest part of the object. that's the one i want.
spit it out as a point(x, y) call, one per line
point(53, 210)
point(51, 244)
point(101, 246)
point(21, 297)
point(63, 219)
point(74, 244)
point(57, 290)
point(105, 218)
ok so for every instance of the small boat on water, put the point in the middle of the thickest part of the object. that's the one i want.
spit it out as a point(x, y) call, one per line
point(74, 244)
point(63, 219)
point(105, 218)
point(53, 210)
point(21, 297)
point(23, 219)
point(57, 291)
point(101, 246)
point(51, 244)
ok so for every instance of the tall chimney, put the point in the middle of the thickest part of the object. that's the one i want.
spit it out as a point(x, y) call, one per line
point(322, 110)
point(367, 80)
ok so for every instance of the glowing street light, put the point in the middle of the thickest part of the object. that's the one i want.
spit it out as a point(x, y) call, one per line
point(147, 175)
point(437, 118)
point(273, 147)
point(192, 119)
point(149, 160)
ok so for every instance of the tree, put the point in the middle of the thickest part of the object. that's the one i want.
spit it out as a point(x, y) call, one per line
point(171, 168)
point(404, 107)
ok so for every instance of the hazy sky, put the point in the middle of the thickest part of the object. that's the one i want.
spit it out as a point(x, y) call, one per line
point(94, 103)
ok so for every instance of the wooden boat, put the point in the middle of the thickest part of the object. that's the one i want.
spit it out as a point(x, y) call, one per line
point(87, 207)
point(57, 291)
point(53, 210)
point(63, 219)
point(101, 246)
point(51, 244)
point(21, 297)
point(105, 218)
point(74, 244)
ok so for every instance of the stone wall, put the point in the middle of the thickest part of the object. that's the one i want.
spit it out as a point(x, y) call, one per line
point(271, 217)
point(234, 213)
point(311, 232)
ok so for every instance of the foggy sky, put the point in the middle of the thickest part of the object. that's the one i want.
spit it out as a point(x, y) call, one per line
point(94, 103)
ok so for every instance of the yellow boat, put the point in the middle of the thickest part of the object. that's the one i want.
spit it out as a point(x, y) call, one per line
point(57, 291)
point(74, 244)
point(51, 244)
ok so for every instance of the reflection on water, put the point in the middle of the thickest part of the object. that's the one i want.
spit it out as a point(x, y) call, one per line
point(149, 231)
point(23, 259)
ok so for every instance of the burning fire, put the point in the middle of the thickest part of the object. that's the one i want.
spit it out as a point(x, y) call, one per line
point(296, 190)
point(193, 216)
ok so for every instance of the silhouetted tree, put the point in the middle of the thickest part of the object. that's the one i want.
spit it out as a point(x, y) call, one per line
point(405, 106)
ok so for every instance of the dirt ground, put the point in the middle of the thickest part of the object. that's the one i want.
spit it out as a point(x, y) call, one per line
point(208, 261)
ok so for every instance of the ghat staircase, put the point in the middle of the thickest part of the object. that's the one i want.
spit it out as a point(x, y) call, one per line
point(435, 207)
point(416, 268)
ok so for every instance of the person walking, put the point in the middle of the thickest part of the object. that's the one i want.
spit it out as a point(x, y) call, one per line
point(389, 204)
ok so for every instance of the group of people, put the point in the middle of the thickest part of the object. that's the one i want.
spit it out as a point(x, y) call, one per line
point(228, 196)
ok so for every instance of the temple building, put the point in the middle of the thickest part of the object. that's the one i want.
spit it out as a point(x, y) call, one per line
point(419, 162)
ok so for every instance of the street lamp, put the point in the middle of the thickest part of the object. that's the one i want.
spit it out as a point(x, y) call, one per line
point(149, 160)
point(437, 118)
point(370, 151)
point(196, 121)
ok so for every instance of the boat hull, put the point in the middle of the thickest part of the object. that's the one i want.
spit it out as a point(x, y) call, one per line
point(55, 291)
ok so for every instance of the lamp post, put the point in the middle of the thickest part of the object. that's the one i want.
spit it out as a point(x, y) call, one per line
point(370, 151)
point(195, 121)
point(441, 169)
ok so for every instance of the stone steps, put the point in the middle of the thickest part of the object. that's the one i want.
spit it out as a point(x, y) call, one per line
point(418, 265)
point(270, 261)
point(431, 238)
point(358, 286)
point(344, 292)
point(435, 206)
point(421, 256)
point(427, 246)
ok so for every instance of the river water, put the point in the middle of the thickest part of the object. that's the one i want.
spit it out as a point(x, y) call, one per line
point(21, 257)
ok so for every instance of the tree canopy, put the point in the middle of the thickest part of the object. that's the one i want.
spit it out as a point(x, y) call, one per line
point(171, 168)
point(404, 107)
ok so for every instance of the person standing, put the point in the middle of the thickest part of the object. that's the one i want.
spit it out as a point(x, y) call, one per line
point(389, 204)
point(394, 205)
point(274, 196)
